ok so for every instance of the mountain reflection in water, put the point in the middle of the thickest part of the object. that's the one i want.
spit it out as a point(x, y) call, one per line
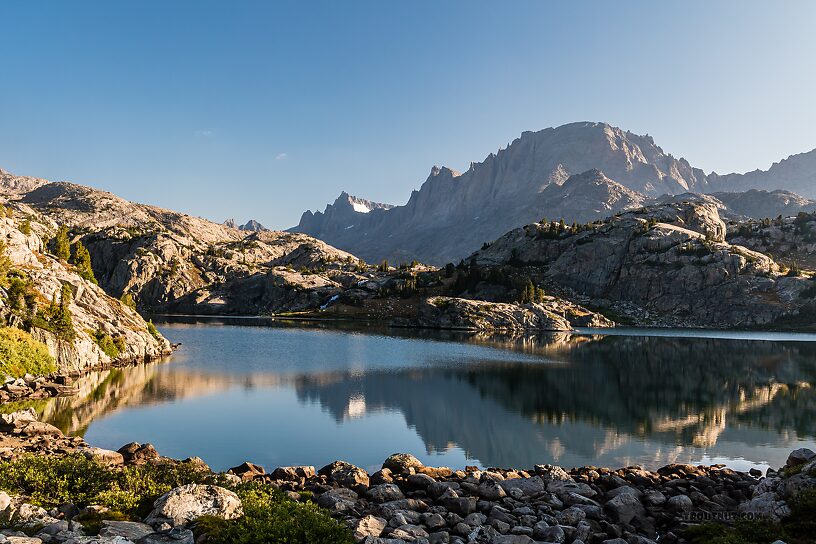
point(293, 395)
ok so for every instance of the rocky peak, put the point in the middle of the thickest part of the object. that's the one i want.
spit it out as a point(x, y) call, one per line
point(452, 213)
point(16, 185)
point(252, 226)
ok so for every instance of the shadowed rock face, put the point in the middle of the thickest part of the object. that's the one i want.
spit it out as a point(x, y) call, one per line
point(797, 173)
point(452, 214)
point(669, 260)
point(758, 204)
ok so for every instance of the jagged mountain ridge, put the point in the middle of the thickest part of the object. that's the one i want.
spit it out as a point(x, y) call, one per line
point(251, 225)
point(452, 214)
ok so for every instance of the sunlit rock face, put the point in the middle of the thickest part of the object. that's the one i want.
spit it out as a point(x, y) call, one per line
point(170, 261)
point(92, 310)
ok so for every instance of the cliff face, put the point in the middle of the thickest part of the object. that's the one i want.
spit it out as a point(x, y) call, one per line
point(797, 173)
point(35, 277)
point(452, 214)
point(668, 261)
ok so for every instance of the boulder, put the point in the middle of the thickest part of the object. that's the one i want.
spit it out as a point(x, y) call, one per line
point(337, 500)
point(137, 454)
point(247, 471)
point(385, 493)
point(401, 463)
point(103, 456)
point(368, 526)
point(800, 456)
point(625, 507)
point(345, 474)
point(175, 535)
point(293, 473)
point(187, 503)
point(130, 530)
point(766, 505)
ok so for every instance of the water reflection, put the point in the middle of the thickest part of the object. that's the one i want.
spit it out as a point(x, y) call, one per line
point(298, 395)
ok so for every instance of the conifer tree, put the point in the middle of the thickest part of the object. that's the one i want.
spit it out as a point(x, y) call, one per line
point(82, 260)
point(62, 245)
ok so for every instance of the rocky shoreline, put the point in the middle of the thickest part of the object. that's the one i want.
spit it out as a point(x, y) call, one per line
point(406, 501)
point(60, 384)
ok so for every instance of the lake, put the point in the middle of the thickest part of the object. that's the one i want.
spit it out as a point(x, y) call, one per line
point(285, 394)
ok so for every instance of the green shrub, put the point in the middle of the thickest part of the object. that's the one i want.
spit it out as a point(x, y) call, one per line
point(25, 227)
point(50, 481)
point(271, 518)
point(21, 354)
point(109, 345)
point(127, 300)
point(154, 332)
point(798, 528)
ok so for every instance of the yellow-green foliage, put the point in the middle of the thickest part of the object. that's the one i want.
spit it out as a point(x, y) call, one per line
point(81, 259)
point(50, 481)
point(111, 346)
point(21, 354)
point(151, 328)
point(269, 516)
point(127, 300)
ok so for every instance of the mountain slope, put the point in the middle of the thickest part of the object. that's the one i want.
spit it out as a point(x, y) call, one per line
point(668, 262)
point(34, 280)
point(169, 261)
point(453, 214)
point(797, 173)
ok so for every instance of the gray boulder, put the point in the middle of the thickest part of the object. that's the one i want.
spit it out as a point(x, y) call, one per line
point(189, 502)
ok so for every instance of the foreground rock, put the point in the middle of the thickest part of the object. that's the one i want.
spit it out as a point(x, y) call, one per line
point(188, 503)
point(406, 501)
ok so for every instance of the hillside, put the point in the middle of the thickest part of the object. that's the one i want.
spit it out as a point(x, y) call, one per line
point(665, 264)
point(169, 261)
point(81, 325)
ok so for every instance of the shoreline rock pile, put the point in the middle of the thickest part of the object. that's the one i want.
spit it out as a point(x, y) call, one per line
point(406, 501)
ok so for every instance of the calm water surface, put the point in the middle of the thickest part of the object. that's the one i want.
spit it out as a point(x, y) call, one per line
point(279, 395)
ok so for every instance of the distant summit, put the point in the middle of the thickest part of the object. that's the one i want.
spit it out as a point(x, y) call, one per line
point(579, 171)
point(250, 225)
point(344, 214)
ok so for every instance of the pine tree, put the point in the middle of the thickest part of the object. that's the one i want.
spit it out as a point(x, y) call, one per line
point(82, 261)
point(5, 263)
point(62, 245)
point(60, 313)
point(529, 292)
point(25, 227)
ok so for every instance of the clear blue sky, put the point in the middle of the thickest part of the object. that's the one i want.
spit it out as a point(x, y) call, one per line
point(265, 109)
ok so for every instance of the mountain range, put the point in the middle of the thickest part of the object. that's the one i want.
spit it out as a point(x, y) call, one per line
point(579, 172)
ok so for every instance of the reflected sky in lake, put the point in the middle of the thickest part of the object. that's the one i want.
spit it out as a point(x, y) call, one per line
point(278, 395)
